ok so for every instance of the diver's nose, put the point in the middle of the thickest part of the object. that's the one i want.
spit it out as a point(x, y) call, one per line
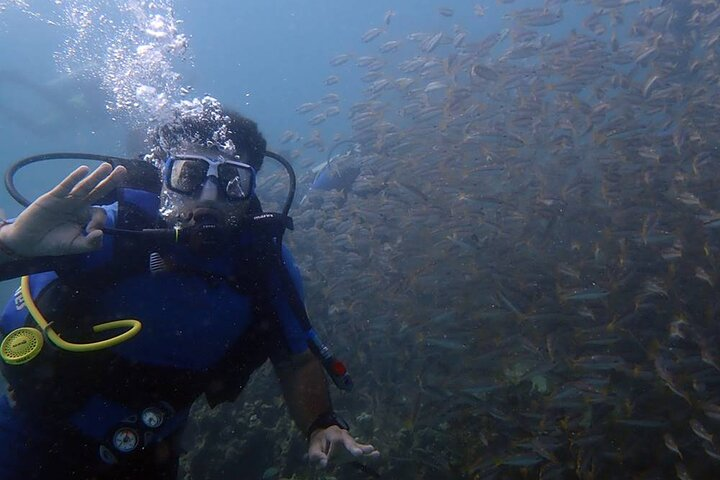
point(210, 190)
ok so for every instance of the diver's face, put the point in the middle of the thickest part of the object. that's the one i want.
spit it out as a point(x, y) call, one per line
point(209, 201)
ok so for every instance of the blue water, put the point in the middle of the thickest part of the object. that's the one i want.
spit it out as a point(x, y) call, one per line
point(263, 57)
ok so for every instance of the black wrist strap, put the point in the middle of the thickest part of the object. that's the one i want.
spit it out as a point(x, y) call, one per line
point(325, 420)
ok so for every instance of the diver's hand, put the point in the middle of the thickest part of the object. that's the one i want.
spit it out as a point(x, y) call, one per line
point(56, 223)
point(328, 443)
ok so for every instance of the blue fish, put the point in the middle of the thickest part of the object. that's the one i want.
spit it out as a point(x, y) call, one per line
point(336, 174)
point(332, 177)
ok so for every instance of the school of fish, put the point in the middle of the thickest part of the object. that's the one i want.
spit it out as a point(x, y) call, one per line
point(523, 277)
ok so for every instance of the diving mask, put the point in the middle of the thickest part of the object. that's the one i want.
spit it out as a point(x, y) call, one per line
point(186, 174)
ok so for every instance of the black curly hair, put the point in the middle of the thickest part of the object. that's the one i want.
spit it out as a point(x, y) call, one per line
point(211, 130)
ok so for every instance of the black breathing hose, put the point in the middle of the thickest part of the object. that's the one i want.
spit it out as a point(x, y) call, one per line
point(15, 167)
point(291, 174)
point(115, 161)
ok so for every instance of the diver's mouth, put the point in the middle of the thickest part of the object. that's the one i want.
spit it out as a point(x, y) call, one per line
point(207, 216)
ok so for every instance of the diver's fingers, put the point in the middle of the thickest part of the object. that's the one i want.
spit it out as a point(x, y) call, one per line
point(375, 454)
point(87, 184)
point(355, 448)
point(332, 446)
point(98, 217)
point(107, 185)
point(64, 188)
point(366, 449)
point(86, 243)
point(317, 453)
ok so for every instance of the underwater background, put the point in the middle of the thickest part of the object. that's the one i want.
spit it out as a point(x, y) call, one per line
point(516, 250)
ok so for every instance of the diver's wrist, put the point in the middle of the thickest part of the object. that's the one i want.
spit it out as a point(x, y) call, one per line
point(326, 420)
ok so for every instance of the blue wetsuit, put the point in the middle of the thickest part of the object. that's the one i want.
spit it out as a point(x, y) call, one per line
point(202, 332)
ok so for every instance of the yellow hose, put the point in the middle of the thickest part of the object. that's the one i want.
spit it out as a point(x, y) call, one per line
point(133, 326)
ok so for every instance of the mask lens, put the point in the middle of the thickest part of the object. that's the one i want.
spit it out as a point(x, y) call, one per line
point(238, 181)
point(188, 175)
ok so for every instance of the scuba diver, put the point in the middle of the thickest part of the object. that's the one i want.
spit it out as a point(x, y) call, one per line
point(146, 284)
